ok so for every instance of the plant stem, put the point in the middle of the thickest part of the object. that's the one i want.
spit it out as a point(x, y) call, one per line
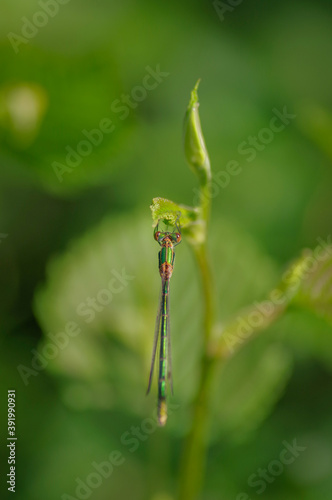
point(194, 457)
point(206, 279)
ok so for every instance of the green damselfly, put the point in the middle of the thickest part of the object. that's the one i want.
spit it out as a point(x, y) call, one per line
point(167, 241)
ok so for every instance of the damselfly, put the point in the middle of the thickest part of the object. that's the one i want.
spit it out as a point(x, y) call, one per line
point(167, 241)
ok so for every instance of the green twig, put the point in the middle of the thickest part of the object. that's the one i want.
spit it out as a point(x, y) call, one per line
point(194, 456)
point(195, 450)
point(194, 224)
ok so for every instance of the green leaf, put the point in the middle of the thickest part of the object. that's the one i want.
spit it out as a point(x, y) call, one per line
point(191, 223)
point(169, 211)
point(55, 118)
point(308, 335)
point(114, 348)
point(22, 109)
point(307, 282)
point(194, 144)
point(248, 387)
point(315, 280)
point(316, 123)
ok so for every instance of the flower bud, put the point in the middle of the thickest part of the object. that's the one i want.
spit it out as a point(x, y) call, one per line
point(194, 144)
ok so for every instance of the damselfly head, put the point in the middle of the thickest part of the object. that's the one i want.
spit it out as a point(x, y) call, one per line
point(170, 236)
point(167, 238)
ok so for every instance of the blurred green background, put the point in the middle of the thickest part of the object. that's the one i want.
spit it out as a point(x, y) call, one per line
point(66, 235)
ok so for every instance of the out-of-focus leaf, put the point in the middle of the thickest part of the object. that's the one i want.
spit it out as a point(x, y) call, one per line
point(22, 109)
point(78, 139)
point(113, 348)
point(315, 280)
point(307, 334)
point(248, 387)
point(306, 282)
point(316, 123)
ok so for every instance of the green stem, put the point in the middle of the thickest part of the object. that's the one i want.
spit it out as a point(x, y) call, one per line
point(205, 206)
point(200, 253)
point(195, 451)
point(194, 457)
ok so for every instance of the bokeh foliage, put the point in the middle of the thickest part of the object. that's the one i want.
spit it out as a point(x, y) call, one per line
point(65, 239)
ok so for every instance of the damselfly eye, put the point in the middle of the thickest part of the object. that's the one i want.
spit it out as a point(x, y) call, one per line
point(178, 237)
point(156, 235)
